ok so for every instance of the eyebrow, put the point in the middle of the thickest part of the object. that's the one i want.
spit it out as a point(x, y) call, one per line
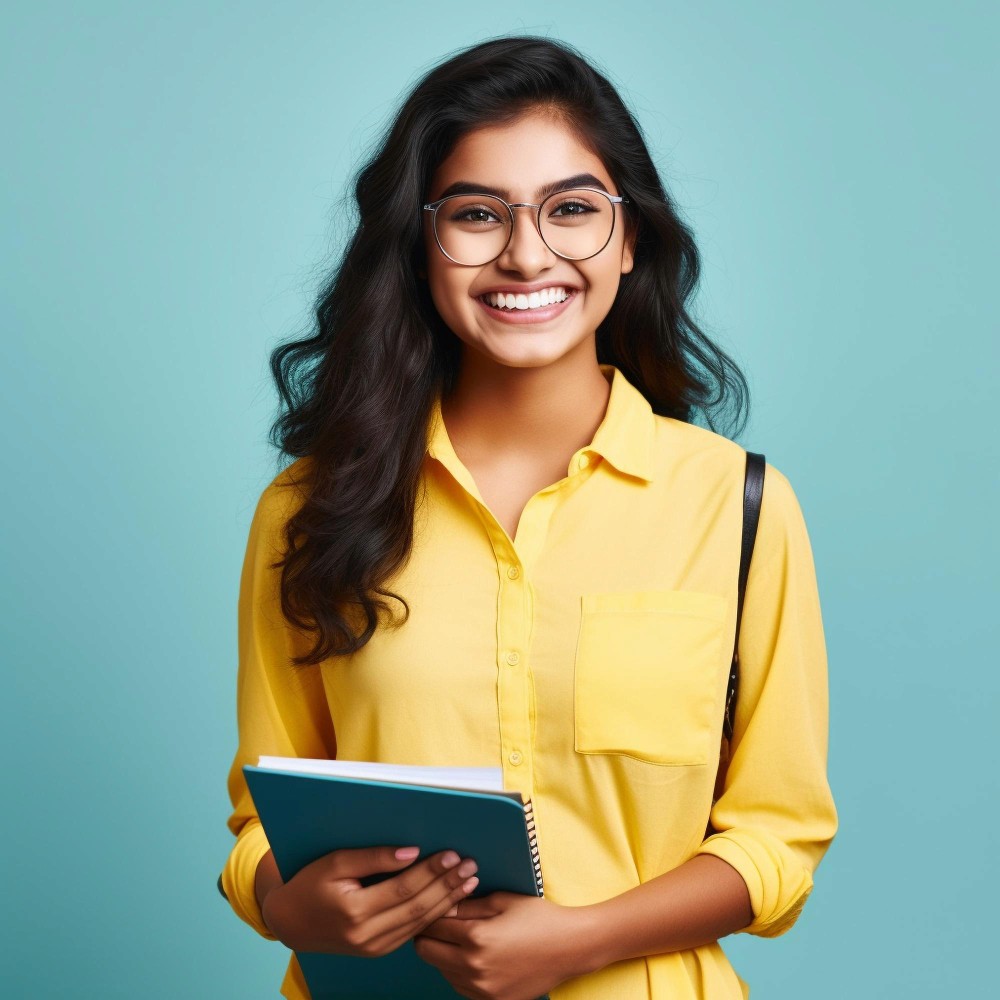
point(578, 180)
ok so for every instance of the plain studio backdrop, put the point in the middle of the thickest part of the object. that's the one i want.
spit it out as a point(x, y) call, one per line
point(172, 184)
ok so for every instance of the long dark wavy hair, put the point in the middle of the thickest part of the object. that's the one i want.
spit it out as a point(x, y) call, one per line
point(356, 395)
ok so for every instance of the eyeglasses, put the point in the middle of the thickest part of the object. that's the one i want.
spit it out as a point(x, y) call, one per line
point(475, 229)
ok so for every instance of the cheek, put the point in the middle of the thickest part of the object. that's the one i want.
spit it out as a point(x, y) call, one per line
point(603, 281)
point(449, 292)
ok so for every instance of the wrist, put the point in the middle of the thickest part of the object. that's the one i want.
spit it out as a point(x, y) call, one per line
point(586, 940)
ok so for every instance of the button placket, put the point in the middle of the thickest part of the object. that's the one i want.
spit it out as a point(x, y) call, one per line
point(513, 682)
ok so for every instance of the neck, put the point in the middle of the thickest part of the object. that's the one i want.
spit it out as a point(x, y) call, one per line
point(550, 410)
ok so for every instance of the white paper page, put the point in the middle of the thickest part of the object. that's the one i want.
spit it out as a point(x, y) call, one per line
point(475, 779)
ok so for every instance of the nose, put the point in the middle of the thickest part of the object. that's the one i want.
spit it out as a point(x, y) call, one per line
point(526, 253)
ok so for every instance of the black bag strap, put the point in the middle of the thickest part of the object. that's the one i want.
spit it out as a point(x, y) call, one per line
point(753, 491)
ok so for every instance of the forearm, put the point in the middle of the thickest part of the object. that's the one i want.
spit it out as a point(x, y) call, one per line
point(695, 904)
point(267, 878)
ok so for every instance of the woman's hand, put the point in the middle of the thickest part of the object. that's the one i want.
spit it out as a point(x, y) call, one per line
point(325, 908)
point(508, 946)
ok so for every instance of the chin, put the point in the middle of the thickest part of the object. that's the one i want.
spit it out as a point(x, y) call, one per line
point(529, 356)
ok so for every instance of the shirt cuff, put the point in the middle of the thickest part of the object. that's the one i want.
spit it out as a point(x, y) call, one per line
point(778, 882)
point(240, 873)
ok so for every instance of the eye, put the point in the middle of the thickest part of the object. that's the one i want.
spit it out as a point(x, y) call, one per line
point(474, 214)
point(572, 208)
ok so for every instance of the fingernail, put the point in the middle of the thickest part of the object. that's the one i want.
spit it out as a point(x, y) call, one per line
point(407, 853)
point(471, 884)
point(450, 859)
point(468, 868)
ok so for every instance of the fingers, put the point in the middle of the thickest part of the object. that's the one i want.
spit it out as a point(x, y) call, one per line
point(395, 938)
point(408, 884)
point(362, 861)
point(399, 923)
point(332, 911)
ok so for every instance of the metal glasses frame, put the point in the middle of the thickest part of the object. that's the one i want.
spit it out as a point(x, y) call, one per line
point(435, 205)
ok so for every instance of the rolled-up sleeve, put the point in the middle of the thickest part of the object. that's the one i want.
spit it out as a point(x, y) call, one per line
point(281, 708)
point(776, 818)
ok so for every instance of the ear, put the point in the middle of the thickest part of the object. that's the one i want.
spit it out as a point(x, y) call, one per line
point(628, 249)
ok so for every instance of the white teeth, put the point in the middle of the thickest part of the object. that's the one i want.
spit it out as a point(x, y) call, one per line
point(532, 300)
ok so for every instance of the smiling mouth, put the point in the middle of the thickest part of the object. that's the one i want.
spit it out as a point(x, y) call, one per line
point(533, 300)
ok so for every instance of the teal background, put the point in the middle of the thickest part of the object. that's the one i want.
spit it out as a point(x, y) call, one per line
point(171, 178)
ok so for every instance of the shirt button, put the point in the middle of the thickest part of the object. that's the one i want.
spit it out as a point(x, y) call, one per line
point(513, 659)
point(513, 572)
point(515, 758)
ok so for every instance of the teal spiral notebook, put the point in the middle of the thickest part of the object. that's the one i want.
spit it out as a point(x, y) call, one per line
point(306, 815)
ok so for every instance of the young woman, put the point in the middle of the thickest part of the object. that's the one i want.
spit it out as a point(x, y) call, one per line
point(505, 542)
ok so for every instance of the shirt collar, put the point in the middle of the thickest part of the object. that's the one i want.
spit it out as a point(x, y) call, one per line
point(624, 437)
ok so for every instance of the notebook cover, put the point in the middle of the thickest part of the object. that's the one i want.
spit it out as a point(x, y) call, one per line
point(307, 816)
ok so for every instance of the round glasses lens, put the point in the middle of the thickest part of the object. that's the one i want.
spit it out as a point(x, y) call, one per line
point(472, 229)
point(577, 224)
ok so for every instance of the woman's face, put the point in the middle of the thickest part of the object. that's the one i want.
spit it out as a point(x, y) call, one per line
point(520, 162)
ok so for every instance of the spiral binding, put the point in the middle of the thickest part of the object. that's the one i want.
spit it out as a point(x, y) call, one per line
point(529, 822)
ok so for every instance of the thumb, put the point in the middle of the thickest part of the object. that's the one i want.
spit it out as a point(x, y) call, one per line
point(476, 909)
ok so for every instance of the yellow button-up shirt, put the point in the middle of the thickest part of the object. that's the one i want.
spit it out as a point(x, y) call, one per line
point(589, 658)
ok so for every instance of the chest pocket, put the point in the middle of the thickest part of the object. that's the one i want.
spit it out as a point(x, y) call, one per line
point(650, 675)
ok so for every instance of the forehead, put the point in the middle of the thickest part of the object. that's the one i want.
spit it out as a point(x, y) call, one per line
point(520, 157)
